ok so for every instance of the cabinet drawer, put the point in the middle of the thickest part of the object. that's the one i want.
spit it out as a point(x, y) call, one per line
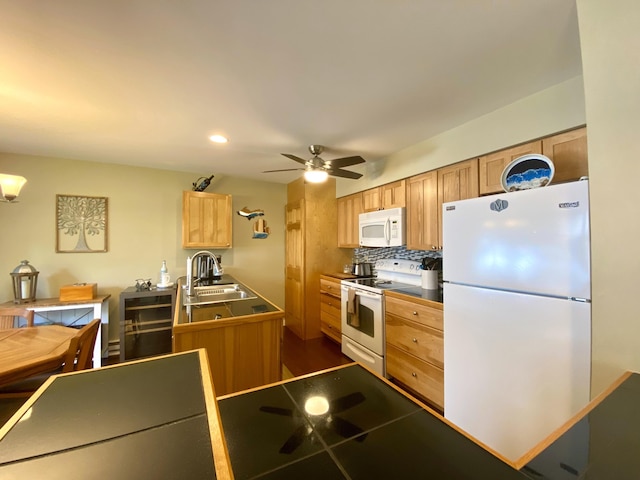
point(329, 315)
point(330, 330)
point(332, 288)
point(421, 377)
point(423, 342)
point(429, 316)
point(330, 305)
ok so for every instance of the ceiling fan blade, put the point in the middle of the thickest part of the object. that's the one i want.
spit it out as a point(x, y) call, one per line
point(346, 429)
point(336, 172)
point(346, 161)
point(346, 402)
point(283, 170)
point(294, 158)
point(295, 440)
point(287, 412)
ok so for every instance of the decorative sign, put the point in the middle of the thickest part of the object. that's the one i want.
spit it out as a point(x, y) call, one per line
point(81, 224)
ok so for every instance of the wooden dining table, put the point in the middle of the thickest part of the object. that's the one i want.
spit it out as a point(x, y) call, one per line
point(29, 351)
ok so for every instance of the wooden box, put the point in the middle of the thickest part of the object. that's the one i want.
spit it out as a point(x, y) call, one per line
point(78, 291)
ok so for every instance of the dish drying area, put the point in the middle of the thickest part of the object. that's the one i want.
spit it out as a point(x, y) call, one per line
point(218, 294)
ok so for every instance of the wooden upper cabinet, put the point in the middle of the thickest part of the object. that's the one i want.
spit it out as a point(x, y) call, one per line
point(422, 212)
point(456, 182)
point(568, 152)
point(371, 200)
point(349, 208)
point(390, 195)
point(491, 166)
point(206, 220)
point(393, 195)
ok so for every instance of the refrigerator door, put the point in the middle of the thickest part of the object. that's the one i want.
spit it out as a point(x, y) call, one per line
point(533, 241)
point(516, 366)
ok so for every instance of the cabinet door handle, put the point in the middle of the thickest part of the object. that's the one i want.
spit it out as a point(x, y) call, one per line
point(415, 313)
point(414, 374)
point(414, 340)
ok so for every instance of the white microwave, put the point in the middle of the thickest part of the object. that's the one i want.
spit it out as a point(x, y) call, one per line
point(382, 228)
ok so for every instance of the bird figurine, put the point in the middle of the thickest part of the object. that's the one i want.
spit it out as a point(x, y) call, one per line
point(249, 214)
point(200, 187)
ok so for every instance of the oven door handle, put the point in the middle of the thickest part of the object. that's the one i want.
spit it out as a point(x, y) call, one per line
point(367, 294)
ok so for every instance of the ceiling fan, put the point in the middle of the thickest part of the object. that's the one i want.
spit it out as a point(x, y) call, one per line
point(317, 169)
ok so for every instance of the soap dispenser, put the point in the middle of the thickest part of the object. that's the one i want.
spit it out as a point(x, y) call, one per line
point(165, 278)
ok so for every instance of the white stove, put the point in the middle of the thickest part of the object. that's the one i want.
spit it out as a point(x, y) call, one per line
point(362, 310)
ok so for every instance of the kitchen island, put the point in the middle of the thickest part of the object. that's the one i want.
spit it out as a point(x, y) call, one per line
point(159, 418)
point(242, 338)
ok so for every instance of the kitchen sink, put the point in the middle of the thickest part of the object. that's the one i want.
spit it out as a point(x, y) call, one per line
point(218, 294)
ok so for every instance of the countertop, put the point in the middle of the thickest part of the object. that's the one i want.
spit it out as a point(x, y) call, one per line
point(223, 310)
point(371, 430)
point(418, 293)
point(159, 418)
point(148, 419)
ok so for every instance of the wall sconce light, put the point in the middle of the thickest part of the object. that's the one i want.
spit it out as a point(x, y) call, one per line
point(315, 176)
point(25, 281)
point(10, 186)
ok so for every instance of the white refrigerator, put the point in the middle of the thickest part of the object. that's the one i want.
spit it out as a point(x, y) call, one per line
point(517, 314)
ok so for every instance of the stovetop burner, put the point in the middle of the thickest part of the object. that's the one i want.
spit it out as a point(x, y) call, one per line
point(392, 274)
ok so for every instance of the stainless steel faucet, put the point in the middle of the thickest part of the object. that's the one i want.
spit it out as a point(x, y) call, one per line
point(217, 269)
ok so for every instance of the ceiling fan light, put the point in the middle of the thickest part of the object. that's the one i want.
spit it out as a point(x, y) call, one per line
point(218, 139)
point(316, 176)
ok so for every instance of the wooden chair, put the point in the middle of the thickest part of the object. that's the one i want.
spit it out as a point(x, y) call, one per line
point(9, 315)
point(80, 353)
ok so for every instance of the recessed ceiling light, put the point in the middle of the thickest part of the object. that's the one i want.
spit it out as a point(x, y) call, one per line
point(218, 139)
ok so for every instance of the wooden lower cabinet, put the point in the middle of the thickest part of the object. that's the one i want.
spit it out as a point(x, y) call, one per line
point(243, 352)
point(415, 345)
point(330, 319)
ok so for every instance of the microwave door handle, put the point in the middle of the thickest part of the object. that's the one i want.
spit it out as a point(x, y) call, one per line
point(387, 231)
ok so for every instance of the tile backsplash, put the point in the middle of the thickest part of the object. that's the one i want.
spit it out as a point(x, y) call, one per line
point(372, 254)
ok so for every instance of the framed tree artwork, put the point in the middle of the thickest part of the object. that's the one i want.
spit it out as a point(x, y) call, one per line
point(82, 224)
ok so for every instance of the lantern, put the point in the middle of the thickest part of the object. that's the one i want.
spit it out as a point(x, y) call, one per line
point(25, 280)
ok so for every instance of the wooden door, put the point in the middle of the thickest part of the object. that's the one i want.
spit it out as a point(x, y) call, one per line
point(294, 268)
point(492, 165)
point(422, 212)
point(206, 220)
point(456, 182)
point(349, 208)
point(568, 152)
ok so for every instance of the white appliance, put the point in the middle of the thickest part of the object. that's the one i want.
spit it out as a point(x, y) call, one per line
point(382, 228)
point(517, 314)
point(362, 310)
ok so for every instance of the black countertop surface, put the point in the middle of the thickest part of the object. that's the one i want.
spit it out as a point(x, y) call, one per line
point(603, 445)
point(139, 420)
point(153, 419)
point(419, 292)
point(370, 431)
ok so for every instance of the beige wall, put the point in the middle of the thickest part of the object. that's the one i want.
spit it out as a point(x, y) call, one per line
point(552, 110)
point(610, 44)
point(145, 211)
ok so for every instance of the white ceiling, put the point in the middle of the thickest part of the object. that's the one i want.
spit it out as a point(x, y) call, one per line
point(145, 82)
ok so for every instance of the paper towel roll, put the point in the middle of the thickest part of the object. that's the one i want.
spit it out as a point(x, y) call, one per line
point(430, 279)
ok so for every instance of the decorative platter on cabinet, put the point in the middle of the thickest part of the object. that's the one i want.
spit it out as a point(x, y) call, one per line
point(528, 171)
